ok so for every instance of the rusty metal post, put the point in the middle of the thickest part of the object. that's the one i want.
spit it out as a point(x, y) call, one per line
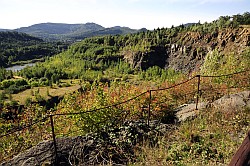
point(149, 106)
point(53, 135)
point(198, 91)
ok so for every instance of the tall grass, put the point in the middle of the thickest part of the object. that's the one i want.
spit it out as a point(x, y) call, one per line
point(210, 139)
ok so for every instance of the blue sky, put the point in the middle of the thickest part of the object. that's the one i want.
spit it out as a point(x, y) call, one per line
point(135, 14)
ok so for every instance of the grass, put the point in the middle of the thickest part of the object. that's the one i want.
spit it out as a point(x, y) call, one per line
point(210, 139)
point(44, 91)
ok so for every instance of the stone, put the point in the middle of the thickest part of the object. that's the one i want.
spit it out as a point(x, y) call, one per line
point(233, 102)
point(189, 110)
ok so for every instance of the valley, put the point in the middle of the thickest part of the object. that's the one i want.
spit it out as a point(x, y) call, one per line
point(93, 80)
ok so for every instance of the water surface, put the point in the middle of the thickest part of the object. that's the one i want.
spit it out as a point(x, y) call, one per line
point(19, 67)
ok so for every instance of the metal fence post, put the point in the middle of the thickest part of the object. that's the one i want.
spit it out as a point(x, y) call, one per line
point(53, 135)
point(198, 91)
point(149, 105)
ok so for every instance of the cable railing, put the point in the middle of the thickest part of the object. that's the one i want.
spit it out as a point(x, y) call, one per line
point(195, 95)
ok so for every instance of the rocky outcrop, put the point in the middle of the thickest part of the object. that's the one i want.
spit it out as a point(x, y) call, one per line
point(189, 110)
point(187, 50)
point(194, 47)
point(232, 102)
point(114, 146)
point(157, 56)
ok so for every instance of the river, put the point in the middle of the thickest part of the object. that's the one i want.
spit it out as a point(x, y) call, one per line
point(19, 67)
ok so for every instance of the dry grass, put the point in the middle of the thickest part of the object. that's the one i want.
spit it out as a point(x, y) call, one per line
point(43, 91)
point(210, 139)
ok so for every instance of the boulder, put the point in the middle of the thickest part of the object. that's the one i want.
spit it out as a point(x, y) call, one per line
point(233, 102)
point(189, 110)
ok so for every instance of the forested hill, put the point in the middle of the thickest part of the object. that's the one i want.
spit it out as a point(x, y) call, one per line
point(60, 31)
point(222, 43)
point(1, 30)
point(16, 46)
point(17, 37)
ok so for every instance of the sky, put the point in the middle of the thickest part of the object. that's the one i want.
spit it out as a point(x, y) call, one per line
point(135, 14)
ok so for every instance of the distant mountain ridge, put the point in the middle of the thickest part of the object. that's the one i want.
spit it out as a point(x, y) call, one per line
point(3, 30)
point(61, 31)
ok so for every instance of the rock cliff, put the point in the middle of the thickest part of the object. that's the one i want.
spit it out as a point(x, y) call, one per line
point(187, 50)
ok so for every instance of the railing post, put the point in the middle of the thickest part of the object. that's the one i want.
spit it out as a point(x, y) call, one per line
point(198, 91)
point(53, 135)
point(149, 105)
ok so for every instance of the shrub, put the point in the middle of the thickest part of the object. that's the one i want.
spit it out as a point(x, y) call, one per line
point(43, 81)
point(28, 101)
point(21, 82)
point(34, 84)
point(6, 83)
point(13, 89)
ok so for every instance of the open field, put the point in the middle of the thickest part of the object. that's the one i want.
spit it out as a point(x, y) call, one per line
point(45, 92)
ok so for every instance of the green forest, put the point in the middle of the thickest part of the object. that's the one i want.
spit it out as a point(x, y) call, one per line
point(103, 57)
point(17, 47)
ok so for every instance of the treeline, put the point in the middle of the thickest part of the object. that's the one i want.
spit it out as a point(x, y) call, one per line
point(16, 46)
point(223, 22)
point(5, 74)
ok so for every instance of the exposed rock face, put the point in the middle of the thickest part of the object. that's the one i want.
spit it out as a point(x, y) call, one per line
point(187, 50)
point(112, 146)
point(34, 156)
point(43, 153)
point(156, 57)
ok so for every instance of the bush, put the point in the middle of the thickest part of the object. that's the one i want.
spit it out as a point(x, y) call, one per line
point(64, 85)
point(39, 98)
point(2, 96)
point(20, 82)
point(156, 73)
point(28, 101)
point(43, 81)
point(34, 84)
point(13, 89)
point(6, 83)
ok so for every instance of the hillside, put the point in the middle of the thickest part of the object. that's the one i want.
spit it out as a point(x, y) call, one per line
point(60, 31)
point(127, 83)
point(117, 30)
point(171, 96)
point(183, 49)
point(16, 46)
point(1, 30)
point(210, 137)
point(17, 37)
